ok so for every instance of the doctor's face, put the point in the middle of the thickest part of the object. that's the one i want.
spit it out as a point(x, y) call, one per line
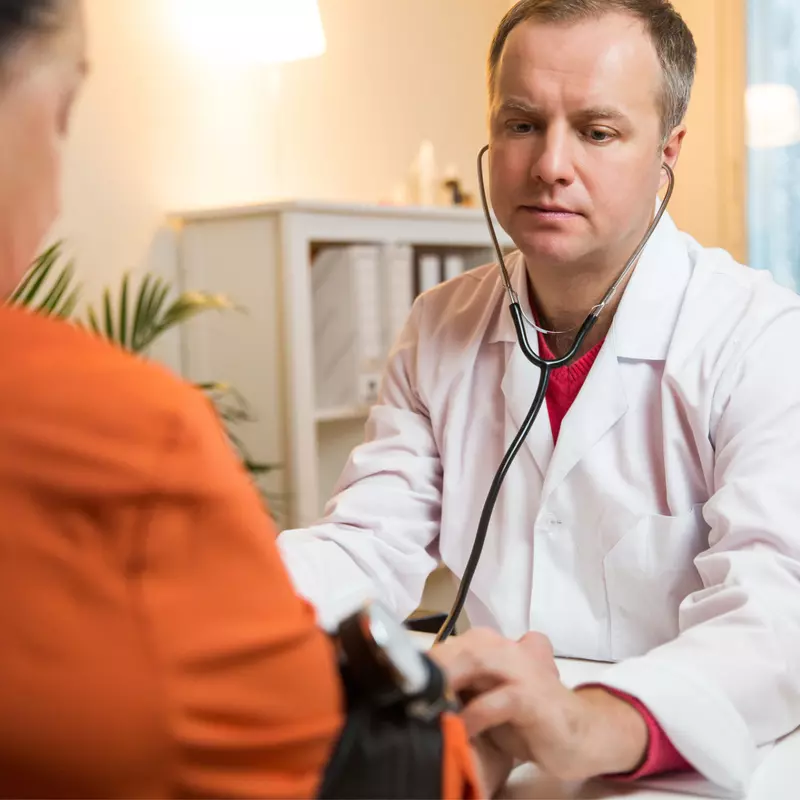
point(576, 140)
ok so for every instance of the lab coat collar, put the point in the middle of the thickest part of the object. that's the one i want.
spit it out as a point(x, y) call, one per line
point(647, 314)
point(503, 329)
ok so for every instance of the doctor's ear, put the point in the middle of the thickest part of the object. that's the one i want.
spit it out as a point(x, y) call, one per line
point(671, 151)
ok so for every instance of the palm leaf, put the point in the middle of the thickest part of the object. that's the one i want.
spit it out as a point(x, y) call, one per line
point(142, 302)
point(69, 304)
point(155, 303)
point(147, 320)
point(190, 304)
point(27, 290)
point(232, 408)
point(215, 387)
point(41, 292)
point(108, 313)
point(122, 338)
point(52, 300)
point(257, 467)
point(94, 324)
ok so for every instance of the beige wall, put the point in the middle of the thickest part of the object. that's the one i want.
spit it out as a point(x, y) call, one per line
point(709, 199)
point(158, 131)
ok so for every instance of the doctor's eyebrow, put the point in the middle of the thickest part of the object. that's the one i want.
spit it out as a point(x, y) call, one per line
point(600, 113)
point(584, 116)
point(519, 106)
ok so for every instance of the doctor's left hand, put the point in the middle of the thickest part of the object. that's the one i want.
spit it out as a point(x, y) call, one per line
point(513, 696)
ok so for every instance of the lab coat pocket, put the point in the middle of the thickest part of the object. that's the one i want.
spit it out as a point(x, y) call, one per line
point(648, 573)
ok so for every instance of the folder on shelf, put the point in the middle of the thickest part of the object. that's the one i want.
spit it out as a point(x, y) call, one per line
point(454, 265)
point(429, 272)
point(348, 336)
point(397, 290)
point(478, 257)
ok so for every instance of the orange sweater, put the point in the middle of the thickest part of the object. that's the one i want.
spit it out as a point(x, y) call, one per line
point(150, 642)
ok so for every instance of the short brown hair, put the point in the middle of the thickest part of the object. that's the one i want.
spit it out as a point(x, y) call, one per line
point(672, 39)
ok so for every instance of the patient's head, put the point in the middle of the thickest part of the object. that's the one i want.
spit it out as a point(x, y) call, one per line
point(42, 63)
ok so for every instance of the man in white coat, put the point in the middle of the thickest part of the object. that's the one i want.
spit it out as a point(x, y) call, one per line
point(652, 520)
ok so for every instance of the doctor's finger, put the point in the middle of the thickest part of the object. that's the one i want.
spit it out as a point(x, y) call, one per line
point(493, 709)
point(473, 663)
point(539, 648)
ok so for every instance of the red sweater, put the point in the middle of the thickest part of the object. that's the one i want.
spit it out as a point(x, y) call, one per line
point(565, 383)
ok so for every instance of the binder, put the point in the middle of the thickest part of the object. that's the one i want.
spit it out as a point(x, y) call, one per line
point(348, 340)
point(478, 257)
point(397, 291)
point(454, 265)
point(429, 272)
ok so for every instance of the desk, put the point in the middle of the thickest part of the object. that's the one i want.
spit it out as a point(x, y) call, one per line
point(777, 777)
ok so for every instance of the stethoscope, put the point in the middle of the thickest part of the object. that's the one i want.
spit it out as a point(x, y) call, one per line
point(545, 367)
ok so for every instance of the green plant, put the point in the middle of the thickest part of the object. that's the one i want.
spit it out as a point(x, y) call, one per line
point(37, 290)
point(134, 319)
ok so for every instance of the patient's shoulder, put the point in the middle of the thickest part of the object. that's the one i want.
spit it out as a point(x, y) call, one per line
point(82, 368)
point(69, 393)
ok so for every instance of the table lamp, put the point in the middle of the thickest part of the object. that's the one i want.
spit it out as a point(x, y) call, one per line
point(250, 32)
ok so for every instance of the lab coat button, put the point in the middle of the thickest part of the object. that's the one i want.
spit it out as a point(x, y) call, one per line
point(548, 524)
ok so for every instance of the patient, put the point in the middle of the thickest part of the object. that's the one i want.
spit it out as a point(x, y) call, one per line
point(150, 642)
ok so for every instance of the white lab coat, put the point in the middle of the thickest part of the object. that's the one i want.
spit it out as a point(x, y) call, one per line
point(663, 530)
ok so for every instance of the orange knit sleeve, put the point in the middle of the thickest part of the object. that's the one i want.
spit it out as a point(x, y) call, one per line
point(250, 684)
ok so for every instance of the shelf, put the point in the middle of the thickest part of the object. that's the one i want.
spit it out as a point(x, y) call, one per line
point(342, 414)
point(402, 212)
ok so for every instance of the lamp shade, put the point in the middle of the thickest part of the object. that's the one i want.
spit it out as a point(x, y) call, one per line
point(773, 115)
point(250, 31)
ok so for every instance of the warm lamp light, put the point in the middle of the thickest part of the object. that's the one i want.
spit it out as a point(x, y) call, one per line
point(250, 31)
point(773, 115)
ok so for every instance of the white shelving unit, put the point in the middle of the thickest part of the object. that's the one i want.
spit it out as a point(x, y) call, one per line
point(261, 256)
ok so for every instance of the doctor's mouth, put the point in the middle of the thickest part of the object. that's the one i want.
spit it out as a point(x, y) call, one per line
point(549, 213)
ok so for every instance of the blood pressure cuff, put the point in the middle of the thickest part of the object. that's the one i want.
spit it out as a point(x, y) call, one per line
point(400, 747)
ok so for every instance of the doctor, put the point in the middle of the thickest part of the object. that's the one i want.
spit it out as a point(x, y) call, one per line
point(653, 516)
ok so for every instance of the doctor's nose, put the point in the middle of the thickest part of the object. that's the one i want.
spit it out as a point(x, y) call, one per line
point(553, 163)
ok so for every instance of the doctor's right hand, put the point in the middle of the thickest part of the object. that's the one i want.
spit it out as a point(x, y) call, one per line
point(493, 764)
point(512, 695)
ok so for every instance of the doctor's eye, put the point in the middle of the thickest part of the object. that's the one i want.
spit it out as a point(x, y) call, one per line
point(599, 135)
point(520, 128)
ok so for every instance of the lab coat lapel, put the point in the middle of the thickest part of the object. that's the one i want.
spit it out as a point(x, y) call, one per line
point(519, 387)
point(642, 331)
point(600, 404)
point(521, 378)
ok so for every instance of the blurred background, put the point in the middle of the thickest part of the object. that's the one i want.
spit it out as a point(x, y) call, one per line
point(166, 125)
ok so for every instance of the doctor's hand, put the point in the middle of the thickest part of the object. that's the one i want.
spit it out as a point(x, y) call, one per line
point(513, 697)
point(493, 764)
